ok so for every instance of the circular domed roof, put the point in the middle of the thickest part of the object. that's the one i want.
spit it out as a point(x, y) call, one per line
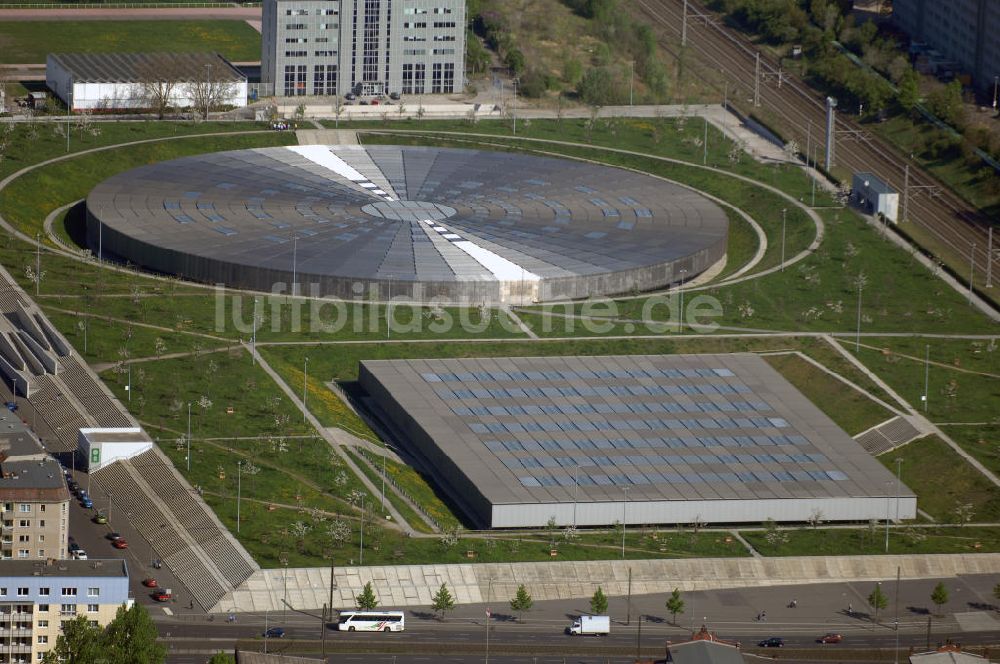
point(459, 225)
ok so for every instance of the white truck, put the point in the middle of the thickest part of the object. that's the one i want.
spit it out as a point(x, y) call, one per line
point(596, 625)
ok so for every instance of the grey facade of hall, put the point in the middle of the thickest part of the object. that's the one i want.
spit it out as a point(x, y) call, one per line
point(327, 47)
point(965, 31)
point(261, 219)
point(634, 439)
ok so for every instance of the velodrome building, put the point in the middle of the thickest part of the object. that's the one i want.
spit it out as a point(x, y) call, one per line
point(663, 439)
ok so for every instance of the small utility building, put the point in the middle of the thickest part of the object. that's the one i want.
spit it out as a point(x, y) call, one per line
point(142, 81)
point(874, 196)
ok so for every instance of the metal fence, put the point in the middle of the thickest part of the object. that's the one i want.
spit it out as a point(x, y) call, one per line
point(374, 462)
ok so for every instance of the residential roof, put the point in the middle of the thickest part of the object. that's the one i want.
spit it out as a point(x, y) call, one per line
point(874, 183)
point(133, 67)
point(112, 567)
point(947, 656)
point(16, 440)
point(705, 652)
point(33, 481)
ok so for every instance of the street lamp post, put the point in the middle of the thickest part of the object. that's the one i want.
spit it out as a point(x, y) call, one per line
point(239, 477)
point(38, 261)
point(624, 519)
point(888, 486)
point(361, 546)
point(514, 106)
point(208, 87)
point(899, 472)
point(284, 601)
point(189, 438)
point(927, 375)
point(631, 78)
point(388, 310)
point(489, 592)
point(253, 338)
point(680, 312)
point(784, 215)
point(295, 259)
point(996, 88)
point(857, 335)
point(305, 386)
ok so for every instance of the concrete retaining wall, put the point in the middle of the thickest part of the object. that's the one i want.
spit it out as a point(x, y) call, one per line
point(414, 585)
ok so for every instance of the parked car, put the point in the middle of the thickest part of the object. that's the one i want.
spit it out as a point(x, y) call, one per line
point(163, 595)
point(150, 583)
point(350, 96)
point(120, 543)
point(11, 406)
point(113, 536)
point(831, 637)
point(79, 554)
point(394, 96)
point(274, 633)
point(87, 502)
point(73, 486)
point(73, 546)
point(101, 518)
point(773, 642)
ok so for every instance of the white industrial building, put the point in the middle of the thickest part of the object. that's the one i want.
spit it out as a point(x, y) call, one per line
point(103, 446)
point(119, 81)
point(873, 195)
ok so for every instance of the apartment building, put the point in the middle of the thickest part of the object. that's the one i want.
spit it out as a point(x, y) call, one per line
point(964, 31)
point(36, 597)
point(34, 498)
point(365, 47)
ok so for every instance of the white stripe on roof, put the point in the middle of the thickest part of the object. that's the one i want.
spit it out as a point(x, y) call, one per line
point(502, 269)
point(321, 155)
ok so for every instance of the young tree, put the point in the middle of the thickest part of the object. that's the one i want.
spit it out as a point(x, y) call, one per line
point(366, 600)
point(79, 643)
point(599, 602)
point(940, 595)
point(443, 601)
point(158, 84)
point(522, 601)
point(131, 638)
point(675, 604)
point(909, 90)
point(878, 600)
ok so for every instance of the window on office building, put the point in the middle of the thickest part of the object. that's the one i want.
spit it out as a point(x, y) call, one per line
point(437, 78)
point(325, 80)
point(295, 80)
point(92, 608)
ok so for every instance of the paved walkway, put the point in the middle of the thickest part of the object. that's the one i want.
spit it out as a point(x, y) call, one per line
point(414, 585)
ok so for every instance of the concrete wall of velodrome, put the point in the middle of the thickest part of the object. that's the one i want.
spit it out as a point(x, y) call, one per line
point(402, 586)
point(751, 510)
point(112, 243)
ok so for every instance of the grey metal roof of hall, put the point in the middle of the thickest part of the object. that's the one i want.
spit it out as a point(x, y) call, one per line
point(413, 214)
point(668, 427)
point(134, 67)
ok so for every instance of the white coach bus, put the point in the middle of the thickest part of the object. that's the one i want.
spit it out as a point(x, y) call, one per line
point(371, 621)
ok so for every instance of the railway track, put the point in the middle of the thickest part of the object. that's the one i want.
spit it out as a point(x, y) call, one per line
point(957, 232)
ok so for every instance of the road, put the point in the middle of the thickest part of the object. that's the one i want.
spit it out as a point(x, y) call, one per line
point(952, 224)
point(730, 613)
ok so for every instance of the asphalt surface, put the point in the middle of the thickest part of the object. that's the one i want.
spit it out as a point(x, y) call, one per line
point(731, 614)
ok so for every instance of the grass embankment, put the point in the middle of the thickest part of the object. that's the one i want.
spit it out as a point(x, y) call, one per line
point(964, 383)
point(849, 408)
point(946, 485)
point(31, 41)
point(412, 517)
point(420, 491)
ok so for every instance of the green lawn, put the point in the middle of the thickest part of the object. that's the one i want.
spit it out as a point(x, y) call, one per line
point(982, 442)
point(964, 385)
point(420, 491)
point(412, 517)
point(871, 541)
point(944, 481)
point(32, 41)
point(850, 409)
